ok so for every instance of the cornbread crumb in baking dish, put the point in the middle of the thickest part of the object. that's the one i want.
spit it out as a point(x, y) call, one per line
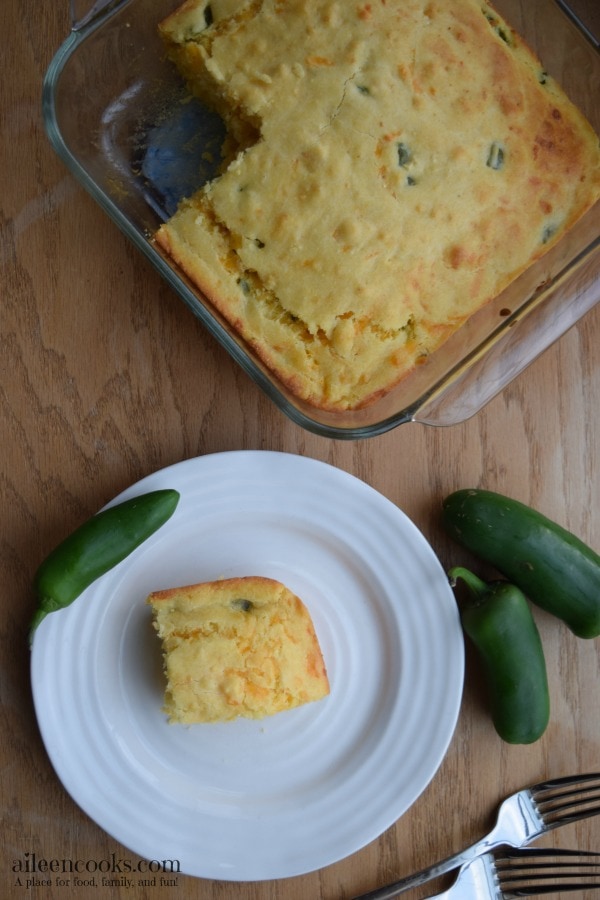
point(390, 168)
point(236, 647)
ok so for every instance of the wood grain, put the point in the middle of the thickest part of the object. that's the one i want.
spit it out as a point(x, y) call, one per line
point(107, 377)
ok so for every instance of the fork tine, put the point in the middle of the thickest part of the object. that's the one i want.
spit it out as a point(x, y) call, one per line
point(525, 873)
point(550, 889)
point(567, 799)
point(545, 858)
point(567, 785)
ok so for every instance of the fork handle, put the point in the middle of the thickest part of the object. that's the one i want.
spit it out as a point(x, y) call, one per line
point(439, 868)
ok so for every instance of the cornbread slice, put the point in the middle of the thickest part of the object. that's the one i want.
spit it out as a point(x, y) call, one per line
point(392, 166)
point(236, 647)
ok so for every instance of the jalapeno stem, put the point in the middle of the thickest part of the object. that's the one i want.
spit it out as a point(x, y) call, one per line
point(476, 585)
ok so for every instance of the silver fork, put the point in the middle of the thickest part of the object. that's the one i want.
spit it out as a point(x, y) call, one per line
point(521, 818)
point(508, 874)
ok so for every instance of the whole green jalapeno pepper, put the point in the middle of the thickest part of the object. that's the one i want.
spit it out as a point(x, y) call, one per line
point(556, 570)
point(498, 620)
point(97, 546)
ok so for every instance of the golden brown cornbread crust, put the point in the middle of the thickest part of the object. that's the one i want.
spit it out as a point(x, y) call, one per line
point(236, 647)
point(401, 162)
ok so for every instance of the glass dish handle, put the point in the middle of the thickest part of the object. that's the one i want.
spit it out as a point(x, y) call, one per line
point(562, 305)
point(84, 12)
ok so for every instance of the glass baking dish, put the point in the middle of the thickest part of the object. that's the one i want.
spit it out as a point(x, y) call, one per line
point(111, 110)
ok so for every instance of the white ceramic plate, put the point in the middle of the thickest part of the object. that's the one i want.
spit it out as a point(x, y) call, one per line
point(253, 800)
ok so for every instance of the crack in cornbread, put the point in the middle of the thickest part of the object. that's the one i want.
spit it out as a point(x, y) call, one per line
point(392, 166)
point(236, 647)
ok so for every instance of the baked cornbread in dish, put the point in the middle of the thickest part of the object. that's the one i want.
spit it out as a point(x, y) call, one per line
point(391, 167)
point(236, 647)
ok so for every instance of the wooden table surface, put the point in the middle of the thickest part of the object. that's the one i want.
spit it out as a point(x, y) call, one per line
point(107, 377)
